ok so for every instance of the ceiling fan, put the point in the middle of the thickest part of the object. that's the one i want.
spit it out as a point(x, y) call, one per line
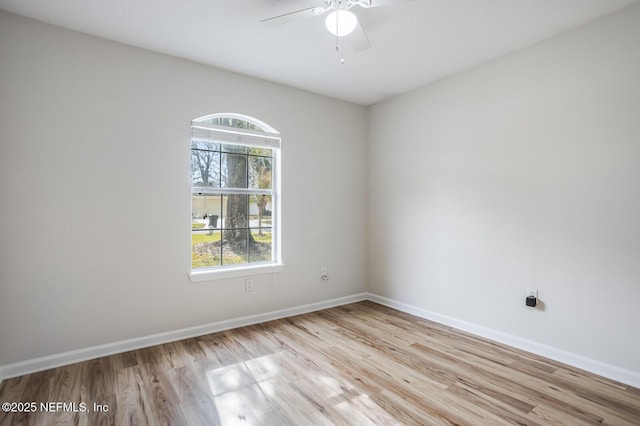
point(340, 21)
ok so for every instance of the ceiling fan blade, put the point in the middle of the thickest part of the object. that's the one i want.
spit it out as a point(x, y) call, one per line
point(359, 40)
point(376, 3)
point(309, 12)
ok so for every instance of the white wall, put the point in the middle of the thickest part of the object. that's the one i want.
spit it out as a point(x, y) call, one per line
point(95, 194)
point(523, 172)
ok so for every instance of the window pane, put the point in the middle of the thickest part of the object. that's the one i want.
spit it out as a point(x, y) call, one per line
point(263, 152)
point(235, 210)
point(260, 250)
point(230, 122)
point(260, 172)
point(206, 211)
point(205, 168)
point(260, 211)
point(215, 121)
point(234, 171)
point(241, 124)
point(235, 149)
point(205, 248)
point(235, 246)
point(205, 145)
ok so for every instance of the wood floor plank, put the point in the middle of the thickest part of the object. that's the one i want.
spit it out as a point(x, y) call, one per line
point(12, 390)
point(605, 393)
point(489, 402)
point(313, 392)
point(357, 364)
point(508, 385)
point(232, 409)
point(39, 389)
point(633, 391)
point(124, 360)
point(427, 398)
point(133, 402)
point(202, 414)
point(270, 366)
point(190, 385)
point(253, 339)
point(406, 412)
point(217, 354)
point(277, 417)
point(69, 386)
point(173, 355)
point(350, 366)
point(553, 416)
point(564, 395)
point(363, 404)
point(162, 396)
point(296, 406)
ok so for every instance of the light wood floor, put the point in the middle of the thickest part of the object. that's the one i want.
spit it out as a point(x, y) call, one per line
point(357, 364)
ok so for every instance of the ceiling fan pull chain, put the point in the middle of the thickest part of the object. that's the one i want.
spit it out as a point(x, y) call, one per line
point(337, 32)
point(337, 27)
point(339, 43)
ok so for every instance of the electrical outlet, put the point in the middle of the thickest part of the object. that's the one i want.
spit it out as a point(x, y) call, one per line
point(323, 273)
point(532, 298)
point(248, 285)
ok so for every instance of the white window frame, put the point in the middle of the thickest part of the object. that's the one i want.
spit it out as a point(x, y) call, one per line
point(267, 138)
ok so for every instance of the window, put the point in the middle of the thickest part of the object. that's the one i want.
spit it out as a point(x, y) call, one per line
point(235, 199)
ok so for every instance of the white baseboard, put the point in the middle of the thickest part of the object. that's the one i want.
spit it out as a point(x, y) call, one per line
point(597, 367)
point(44, 363)
point(66, 358)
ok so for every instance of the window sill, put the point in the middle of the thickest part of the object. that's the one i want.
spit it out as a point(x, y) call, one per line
point(242, 271)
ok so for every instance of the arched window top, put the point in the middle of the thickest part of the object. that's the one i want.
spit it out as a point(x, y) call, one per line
point(236, 121)
point(235, 129)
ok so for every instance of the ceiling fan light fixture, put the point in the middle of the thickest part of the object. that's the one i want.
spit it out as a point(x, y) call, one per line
point(341, 22)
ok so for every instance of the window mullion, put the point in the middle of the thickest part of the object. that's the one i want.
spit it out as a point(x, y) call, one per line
point(196, 190)
point(248, 231)
point(221, 227)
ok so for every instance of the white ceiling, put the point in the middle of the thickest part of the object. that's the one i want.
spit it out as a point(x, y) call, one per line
point(414, 42)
